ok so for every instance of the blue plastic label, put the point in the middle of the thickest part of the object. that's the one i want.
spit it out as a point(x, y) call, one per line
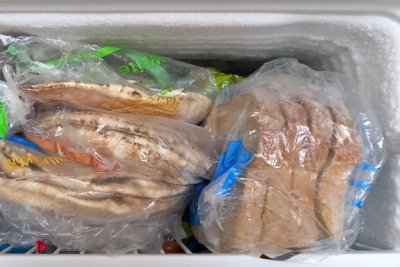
point(358, 203)
point(231, 164)
point(23, 141)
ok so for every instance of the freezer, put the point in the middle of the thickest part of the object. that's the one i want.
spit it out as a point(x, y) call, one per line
point(357, 39)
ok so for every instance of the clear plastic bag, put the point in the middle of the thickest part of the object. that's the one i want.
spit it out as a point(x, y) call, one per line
point(299, 154)
point(75, 207)
point(153, 147)
point(14, 109)
point(115, 79)
point(12, 236)
point(92, 178)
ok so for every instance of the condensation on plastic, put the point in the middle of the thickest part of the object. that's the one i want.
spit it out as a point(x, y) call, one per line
point(11, 235)
point(155, 148)
point(114, 79)
point(299, 154)
point(74, 207)
point(15, 107)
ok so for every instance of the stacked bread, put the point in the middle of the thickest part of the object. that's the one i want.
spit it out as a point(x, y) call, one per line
point(108, 169)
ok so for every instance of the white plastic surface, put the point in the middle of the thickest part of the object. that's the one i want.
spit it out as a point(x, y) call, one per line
point(381, 259)
point(194, 5)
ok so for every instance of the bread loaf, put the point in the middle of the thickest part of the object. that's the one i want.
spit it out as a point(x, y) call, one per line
point(292, 193)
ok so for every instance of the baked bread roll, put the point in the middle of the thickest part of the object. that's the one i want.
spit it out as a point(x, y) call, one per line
point(291, 194)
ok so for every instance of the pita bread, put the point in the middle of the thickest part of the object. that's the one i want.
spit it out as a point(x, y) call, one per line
point(191, 107)
point(67, 202)
point(177, 155)
point(85, 93)
point(85, 180)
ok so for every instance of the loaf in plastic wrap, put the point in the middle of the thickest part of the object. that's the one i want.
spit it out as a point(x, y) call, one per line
point(299, 155)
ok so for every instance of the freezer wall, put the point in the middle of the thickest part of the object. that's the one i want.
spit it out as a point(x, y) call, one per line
point(363, 48)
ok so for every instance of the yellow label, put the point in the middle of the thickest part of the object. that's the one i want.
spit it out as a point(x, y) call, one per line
point(24, 161)
point(155, 105)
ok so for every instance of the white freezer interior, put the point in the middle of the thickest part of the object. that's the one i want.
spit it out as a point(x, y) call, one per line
point(364, 46)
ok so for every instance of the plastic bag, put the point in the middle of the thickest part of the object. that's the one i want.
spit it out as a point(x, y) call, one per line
point(130, 176)
point(153, 147)
point(299, 155)
point(10, 235)
point(14, 109)
point(75, 207)
point(115, 79)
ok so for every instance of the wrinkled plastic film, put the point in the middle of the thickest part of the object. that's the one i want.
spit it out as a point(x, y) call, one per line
point(101, 162)
point(14, 108)
point(298, 158)
point(71, 233)
point(115, 79)
point(42, 196)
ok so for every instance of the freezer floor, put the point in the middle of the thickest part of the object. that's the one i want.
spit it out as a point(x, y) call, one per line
point(10, 249)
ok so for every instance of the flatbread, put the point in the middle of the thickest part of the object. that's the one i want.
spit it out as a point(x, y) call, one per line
point(191, 107)
point(176, 156)
point(86, 180)
point(66, 202)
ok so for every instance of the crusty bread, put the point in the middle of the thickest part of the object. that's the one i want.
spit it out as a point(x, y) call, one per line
point(292, 194)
